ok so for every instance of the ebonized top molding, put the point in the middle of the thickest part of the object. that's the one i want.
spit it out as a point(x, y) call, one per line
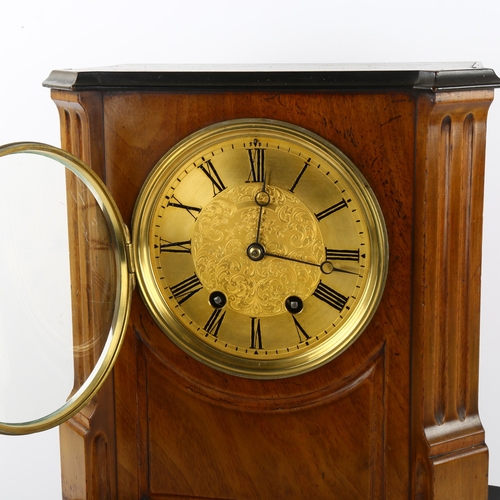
point(424, 76)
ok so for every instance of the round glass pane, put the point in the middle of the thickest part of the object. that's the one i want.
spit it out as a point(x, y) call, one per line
point(64, 286)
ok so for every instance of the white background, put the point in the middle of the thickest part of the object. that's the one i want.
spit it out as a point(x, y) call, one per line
point(36, 37)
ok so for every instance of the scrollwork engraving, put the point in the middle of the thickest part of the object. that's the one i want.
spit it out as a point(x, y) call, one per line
point(228, 225)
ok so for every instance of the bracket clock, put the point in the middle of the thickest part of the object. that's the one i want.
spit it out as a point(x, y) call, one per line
point(287, 260)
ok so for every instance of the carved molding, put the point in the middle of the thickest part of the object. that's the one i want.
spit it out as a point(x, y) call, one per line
point(297, 399)
point(448, 225)
point(90, 433)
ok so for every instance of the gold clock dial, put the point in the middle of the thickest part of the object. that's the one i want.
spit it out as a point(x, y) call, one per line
point(260, 248)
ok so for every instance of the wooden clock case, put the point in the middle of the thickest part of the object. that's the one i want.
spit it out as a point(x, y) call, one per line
point(396, 415)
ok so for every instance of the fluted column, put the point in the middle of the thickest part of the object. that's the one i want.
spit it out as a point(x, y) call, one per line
point(447, 435)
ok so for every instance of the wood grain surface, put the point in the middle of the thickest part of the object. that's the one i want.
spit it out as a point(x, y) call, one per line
point(394, 416)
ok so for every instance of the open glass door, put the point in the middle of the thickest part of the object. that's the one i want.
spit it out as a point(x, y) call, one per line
point(65, 286)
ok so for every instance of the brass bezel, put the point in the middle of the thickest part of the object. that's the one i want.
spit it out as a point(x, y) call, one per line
point(124, 289)
point(142, 219)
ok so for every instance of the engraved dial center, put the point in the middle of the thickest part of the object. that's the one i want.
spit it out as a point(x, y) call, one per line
point(227, 257)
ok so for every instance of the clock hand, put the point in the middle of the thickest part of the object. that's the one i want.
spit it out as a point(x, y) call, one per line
point(291, 258)
point(260, 221)
point(327, 268)
point(262, 199)
point(257, 252)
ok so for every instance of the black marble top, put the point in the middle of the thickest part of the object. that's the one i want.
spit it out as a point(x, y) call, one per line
point(425, 76)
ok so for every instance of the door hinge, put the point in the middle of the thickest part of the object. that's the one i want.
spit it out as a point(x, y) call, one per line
point(129, 256)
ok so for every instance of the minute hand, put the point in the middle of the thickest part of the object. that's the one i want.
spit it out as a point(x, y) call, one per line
point(262, 199)
point(330, 268)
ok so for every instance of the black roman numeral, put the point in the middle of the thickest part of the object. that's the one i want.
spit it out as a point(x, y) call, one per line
point(215, 321)
point(300, 331)
point(256, 338)
point(331, 210)
point(334, 254)
point(209, 170)
point(176, 247)
point(177, 204)
point(186, 288)
point(304, 168)
point(330, 296)
point(257, 169)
